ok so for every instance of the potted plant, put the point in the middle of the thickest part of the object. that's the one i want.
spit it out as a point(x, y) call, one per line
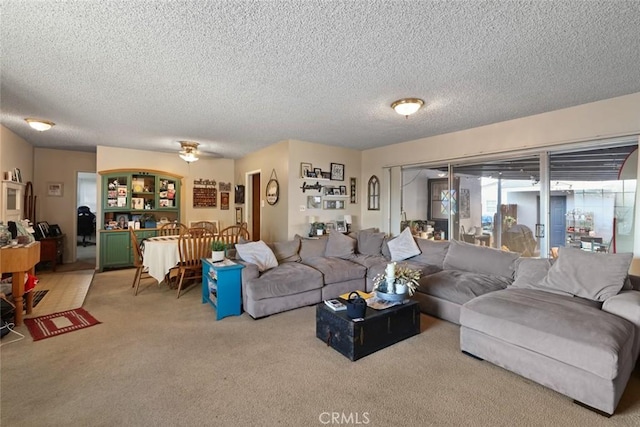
point(148, 220)
point(218, 248)
point(402, 279)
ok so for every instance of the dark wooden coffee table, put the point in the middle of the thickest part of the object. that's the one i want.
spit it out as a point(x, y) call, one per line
point(379, 329)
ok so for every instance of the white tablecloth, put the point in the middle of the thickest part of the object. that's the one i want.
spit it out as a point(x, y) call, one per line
point(160, 255)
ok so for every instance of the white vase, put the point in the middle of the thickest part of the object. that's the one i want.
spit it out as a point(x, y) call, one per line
point(401, 288)
point(217, 256)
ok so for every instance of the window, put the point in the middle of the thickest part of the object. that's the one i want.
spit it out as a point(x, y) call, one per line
point(373, 195)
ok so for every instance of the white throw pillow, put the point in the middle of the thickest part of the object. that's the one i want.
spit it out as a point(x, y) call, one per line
point(403, 246)
point(257, 253)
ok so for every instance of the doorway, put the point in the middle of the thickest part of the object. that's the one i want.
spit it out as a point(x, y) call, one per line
point(254, 208)
point(86, 208)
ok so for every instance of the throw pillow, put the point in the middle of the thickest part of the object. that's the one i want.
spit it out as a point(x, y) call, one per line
point(257, 253)
point(312, 247)
point(592, 275)
point(530, 271)
point(432, 252)
point(404, 246)
point(340, 246)
point(385, 246)
point(286, 251)
point(370, 242)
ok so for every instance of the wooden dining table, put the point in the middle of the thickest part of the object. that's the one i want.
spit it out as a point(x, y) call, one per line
point(20, 261)
point(160, 255)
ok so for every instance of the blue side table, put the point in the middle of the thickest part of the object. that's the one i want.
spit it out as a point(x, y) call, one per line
point(222, 287)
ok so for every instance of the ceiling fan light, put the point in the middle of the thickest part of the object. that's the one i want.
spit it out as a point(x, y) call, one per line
point(39, 125)
point(407, 106)
point(188, 157)
point(189, 151)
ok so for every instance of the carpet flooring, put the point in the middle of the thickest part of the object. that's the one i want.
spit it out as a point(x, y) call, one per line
point(160, 361)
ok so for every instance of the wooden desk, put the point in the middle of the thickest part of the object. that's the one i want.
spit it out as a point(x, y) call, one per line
point(52, 250)
point(20, 261)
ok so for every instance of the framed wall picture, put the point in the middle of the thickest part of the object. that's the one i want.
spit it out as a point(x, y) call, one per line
point(238, 215)
point(54, 189)
point(341, 226)
point(314, 202)
point(352, 184)
point(239, 194)
point(337, 172)
point(305, 168)
point(273, 191)
point(224, 200)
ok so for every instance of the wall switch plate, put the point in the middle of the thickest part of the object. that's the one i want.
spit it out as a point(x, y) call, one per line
point(303, 208)
point(262, 203)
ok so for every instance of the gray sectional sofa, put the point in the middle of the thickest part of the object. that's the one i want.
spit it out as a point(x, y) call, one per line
point(572, 325)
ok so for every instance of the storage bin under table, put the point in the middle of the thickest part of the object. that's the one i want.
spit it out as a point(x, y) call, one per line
point(379, 329)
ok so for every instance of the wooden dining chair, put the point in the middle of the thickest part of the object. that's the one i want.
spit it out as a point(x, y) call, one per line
point(172, 229)
point(138, 258)
point(231, 235)
point(198, 231)
point(192, 248)
point(211, 226)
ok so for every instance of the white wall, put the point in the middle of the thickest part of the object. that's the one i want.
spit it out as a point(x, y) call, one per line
point(603, 119)
point(15, 152)
point(320, 156)
point(270, 161)
point(60, 166)
point(222, 170)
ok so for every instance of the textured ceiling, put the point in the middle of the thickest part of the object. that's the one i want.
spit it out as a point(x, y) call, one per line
point(238, 76)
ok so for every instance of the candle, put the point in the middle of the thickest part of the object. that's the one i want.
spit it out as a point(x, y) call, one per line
point(391, 270)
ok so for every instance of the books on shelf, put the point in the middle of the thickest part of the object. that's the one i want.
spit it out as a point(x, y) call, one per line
point(335, 305)
point(224, 263)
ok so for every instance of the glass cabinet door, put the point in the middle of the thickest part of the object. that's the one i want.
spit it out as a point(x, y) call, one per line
point(143, 187)
point(167, 190)
point(118, 195)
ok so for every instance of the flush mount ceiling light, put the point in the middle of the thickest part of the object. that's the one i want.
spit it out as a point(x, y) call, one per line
point(189, 151)
point(407, 106)
point(39, 125)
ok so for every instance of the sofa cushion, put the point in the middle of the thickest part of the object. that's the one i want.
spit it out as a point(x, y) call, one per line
point(336, 270)
point(287, 279)
point(257, 253)
point(370, 242)
point(312, 247)
point(286, 251)
point(369, 260)
point(460, 286)
point(385, 246)
point(431, 251)
point(563, 328)
point(530, 271)
point(591, 275)
point(479, 259)
point(340, 246)
point(403, 247)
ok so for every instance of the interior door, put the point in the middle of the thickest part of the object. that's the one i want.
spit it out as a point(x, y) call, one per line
point(558, 210)
point(255, 207)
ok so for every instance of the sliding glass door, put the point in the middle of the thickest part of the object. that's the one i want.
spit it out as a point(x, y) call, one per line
point(502, 203)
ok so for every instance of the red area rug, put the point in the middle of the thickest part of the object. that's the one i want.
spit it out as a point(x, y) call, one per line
point(55, 324)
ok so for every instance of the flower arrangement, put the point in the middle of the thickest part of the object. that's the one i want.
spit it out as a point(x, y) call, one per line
point(401, 275)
